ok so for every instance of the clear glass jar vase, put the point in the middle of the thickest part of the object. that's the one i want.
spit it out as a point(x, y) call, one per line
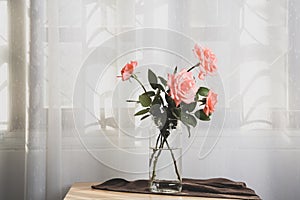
point(165, 160)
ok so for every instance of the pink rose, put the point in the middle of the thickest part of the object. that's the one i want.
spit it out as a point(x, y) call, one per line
point(207, 61)
point(201, 75)
point(182, 87)
point(210, 60)
point(127, 70)
point(211, 101)
point(198, 52)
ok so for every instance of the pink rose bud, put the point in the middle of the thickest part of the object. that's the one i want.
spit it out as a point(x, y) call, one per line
point(127, 70)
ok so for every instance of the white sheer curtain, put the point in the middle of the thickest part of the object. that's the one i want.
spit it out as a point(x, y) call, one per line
point(60, 97)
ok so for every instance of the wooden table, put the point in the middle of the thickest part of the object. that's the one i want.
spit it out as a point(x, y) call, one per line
point(84, 191)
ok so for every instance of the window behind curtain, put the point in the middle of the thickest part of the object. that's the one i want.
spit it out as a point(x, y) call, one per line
point(249, 38)
point(237, 31)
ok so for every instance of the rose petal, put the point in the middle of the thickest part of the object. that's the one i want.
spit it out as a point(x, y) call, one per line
point(128, 70)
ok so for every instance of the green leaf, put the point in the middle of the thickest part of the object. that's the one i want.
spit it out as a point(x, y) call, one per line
point(196, 97)
point(159, 115)
point(170, 101)
point(145, 100)
point(163, 81)
point(152, 77)
point(157, 86)
point(188, 107)
point(156, 99)
point(153, 81)
point(203, 91)
point(188, 128)
point(201, 115)
point(150, 93)
point(188, 119)
point(155, 110)
point(144, 117)
point(141, 112)
point(176, 112)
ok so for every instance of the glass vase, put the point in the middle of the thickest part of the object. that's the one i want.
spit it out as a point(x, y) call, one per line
point(165, 160)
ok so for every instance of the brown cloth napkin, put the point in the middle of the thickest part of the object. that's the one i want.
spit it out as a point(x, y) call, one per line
point(214, 188)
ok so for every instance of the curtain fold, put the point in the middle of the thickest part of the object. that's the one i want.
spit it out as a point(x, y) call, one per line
point(36, 131)
point(54, 118)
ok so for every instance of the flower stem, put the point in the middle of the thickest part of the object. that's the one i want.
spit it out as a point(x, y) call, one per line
point(155, 149)
point(174, 161)
point(156, 159)
point(162, 141)
point(136, 78)
point(190, 69)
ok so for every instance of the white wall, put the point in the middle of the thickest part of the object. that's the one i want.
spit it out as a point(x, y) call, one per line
point(12, 174)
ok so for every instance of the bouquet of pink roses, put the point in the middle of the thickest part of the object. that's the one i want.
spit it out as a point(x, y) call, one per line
point(176, 98)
